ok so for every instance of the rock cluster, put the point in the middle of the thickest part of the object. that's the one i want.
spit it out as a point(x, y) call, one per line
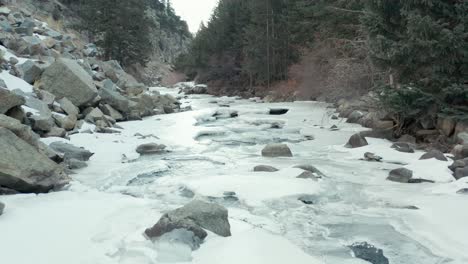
point(64, 85)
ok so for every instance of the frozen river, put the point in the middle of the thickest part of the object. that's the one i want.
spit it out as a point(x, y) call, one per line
point(275, 217)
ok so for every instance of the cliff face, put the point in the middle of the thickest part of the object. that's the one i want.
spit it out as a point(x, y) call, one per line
point(169, 37)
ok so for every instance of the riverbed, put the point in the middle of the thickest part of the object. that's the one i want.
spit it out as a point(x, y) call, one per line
point(275, 217)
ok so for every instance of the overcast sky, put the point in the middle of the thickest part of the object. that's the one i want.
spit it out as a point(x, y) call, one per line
point(194, 11)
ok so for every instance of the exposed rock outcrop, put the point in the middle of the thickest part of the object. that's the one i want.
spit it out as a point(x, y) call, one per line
point(66, 78)
point(25, 169)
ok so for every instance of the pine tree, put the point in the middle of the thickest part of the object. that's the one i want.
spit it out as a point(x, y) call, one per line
point(425, 46)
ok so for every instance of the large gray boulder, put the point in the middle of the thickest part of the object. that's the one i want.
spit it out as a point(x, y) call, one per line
point(110, 111)
point(461, 173)
point(357, 141)
point(25, 169)
point(115, 99)
point(9, 100)
point(31, 71)
point(276, 150)
point(195, 216)
point(22, 131)
point(71, 152)
point(66, 78)
point(402, 175)
point(68, 107)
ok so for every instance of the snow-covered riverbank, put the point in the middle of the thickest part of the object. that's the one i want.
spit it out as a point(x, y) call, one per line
point(102, 216)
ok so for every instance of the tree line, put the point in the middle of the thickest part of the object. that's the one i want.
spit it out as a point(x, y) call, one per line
point(419, 49)
point(121, 28)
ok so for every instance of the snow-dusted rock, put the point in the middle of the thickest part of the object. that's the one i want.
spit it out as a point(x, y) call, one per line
point(265, 168)
point(403, 147)
point(310, 168)
point(400, 175)
point(434, 154)
point(24, 168)
point(194, 216)
point(369, 253)
point(66, 78)
point(357, 141)
point(277, 150)
point(151, 148)
point(71, 152)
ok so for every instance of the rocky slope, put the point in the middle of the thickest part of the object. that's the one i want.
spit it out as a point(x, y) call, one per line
point(53, 85)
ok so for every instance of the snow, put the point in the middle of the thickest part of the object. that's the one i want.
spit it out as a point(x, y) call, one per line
point(14, 82)
point(7, 55)
point(101, 217)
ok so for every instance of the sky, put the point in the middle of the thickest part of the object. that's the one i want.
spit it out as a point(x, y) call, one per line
point(194, 11)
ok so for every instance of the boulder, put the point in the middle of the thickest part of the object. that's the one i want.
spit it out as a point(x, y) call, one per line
point(31, 71)
point(276, 150)
point(2, 208)
point(115, 99)
point(463, 191)
point(22, 131)
point(355, 116)
point(461, 163)
point(308, 175)
point(66, 122)
point(195, 216)
point(369, 253)
point(74, 164)
point(368, 156)
point(42, 123)
point(46, 97)
point(434, 154)
point(403, 147)
point(357, 141)
point(68, 106)
point(151, 148)
point(9, 100)
point(310, 168)
point(56, 132)
point(71, 152)
point(308, 199)
point(110, 111)
point(31, 45)
point(278, 111)
point(461, 173)
point(53, 34)
point(460, 151)
point(66, 78)
point(265, 168)
point(400, 175)
point(94, 115)
point(25, 169)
